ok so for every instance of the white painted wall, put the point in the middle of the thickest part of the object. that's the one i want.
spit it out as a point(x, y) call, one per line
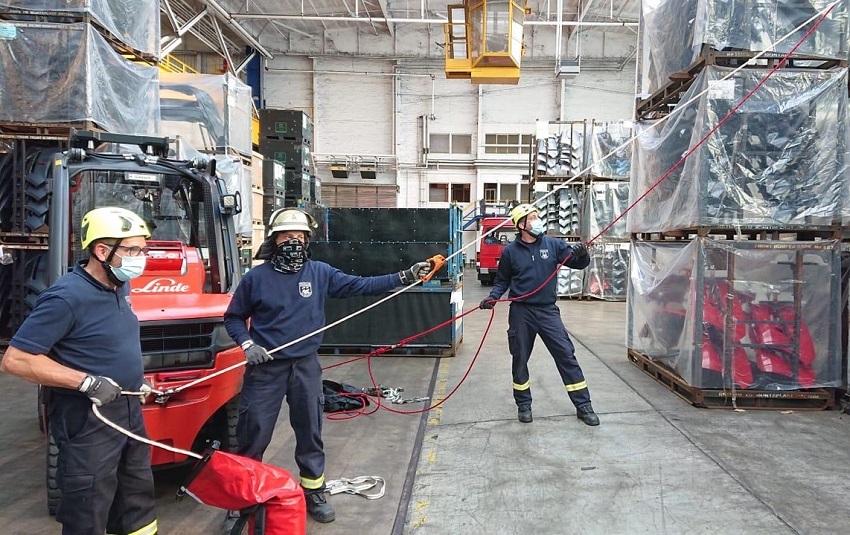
point(377, 105)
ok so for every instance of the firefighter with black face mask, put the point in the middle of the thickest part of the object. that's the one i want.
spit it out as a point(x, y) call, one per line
point(284, 299)
point(523, 267)
point(81, 342)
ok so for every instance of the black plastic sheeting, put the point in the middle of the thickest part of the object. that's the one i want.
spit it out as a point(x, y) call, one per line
point(376, 258)
point(389, 225)
point(407, 314)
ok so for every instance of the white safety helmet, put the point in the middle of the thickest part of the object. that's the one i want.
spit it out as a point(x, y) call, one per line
point(291, 219)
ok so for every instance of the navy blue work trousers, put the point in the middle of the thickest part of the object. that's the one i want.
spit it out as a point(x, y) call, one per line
point(299, 381)
point(525, 323)
point(105, 477)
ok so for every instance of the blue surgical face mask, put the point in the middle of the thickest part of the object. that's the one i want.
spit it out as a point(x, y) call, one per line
point(538, 227)
point(130, 268)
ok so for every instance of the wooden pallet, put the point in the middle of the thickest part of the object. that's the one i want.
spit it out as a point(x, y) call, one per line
point(813, 399)
point(801, 233)
point(662, 102)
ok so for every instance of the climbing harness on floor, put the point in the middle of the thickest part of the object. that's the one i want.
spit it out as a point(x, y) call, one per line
point(357, 486)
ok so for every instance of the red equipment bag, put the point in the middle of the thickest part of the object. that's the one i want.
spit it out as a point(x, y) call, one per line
point(234, 482)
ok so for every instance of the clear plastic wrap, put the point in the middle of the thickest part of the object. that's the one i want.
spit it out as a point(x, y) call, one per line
point(674, 32)
point(66, 73)
point(761, 315)
point(570, 282)
point(604, 138)
point(779, 160)
point(135, 23)
point(603, 202)
point(212, 112)
point(560, 155)
point(607, 276)
point(561, 211)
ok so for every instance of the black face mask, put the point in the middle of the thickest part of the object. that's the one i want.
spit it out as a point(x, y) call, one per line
point(289, 256)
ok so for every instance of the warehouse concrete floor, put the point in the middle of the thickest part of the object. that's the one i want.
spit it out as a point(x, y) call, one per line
point(655, 465)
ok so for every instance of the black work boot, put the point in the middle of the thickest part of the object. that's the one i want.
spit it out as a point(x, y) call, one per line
point(524, 413)
point(319, 508)
point(585, 414)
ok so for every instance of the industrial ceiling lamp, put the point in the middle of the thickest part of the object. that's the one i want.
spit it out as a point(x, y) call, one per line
point(484, 41)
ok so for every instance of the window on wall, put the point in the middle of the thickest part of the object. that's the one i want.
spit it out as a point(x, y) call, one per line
point(490, 192)
point(507, 143)
point(438, 193)
point(460, 193)
point(450, 143)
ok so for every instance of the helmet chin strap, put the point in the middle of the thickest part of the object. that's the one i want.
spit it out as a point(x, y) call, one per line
point(107, 267)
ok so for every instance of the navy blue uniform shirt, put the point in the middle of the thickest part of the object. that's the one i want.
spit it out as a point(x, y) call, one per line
point(84, 325)
point(524, 266)
point(286, 306)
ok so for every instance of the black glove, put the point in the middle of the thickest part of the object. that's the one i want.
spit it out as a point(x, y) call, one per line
point(255, 354)
point(100, 390)
point(579, 250)
point(411, 274)
point(487, 303)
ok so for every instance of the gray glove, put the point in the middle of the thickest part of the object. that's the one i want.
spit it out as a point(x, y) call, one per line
point(579, 250)
point(146, 389)
point(255, 354)
point(100, 390)
point(487, 303)
point(411, 274)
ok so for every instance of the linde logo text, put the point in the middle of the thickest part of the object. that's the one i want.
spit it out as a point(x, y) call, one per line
point(163, 285)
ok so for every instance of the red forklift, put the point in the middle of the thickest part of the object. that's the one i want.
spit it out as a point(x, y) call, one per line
point(193, 267)
point(490, 248)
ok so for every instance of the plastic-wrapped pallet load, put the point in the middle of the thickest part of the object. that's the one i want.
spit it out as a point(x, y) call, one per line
point(760, 315)
point(135, 23)
point(605, 139)
point(779, 160)
point(560, 155)
point(212, 112)
point(67, 73)
point(673, 32)
point(604, 202)
point(607, 276)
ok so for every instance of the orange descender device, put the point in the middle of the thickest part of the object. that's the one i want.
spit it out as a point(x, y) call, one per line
point(437, 261)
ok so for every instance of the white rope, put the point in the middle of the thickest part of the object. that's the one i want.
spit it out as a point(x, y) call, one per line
point(140, 438)
point(357, 485)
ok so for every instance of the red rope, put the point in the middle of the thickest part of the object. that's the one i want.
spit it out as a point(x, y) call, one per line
point(379, 351)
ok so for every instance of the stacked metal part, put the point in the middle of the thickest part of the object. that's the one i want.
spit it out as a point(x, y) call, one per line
point(607, 150)
point(607, 276)
point(71, 72)
point(570, 282)
point(739, 314)
point(779, 160)
point(675, 32)
point(560, 155)
point(561, 211)
point(748, 314)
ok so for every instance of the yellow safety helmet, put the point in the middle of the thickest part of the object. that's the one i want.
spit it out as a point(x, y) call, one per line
point(111, 222)
point(291, 219)
point(518, 212)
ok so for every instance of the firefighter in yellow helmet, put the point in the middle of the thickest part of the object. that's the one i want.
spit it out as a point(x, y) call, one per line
point(81, 342)
point(284, 299)
point(525, 265)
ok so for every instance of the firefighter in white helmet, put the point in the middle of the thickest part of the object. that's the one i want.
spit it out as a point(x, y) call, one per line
point(284, 299)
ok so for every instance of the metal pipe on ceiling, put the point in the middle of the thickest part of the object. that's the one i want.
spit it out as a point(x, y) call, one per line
point(231, 23)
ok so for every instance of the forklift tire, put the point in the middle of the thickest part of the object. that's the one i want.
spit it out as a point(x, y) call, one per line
point(54, 495)
point(231, 411)
point(221, 428)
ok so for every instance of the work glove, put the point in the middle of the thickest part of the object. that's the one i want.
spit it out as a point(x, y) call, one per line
point(100, 390)
point(579, 250)
point(414, 272)
point(487, 303)
point(146, 389)
point(255, 354)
